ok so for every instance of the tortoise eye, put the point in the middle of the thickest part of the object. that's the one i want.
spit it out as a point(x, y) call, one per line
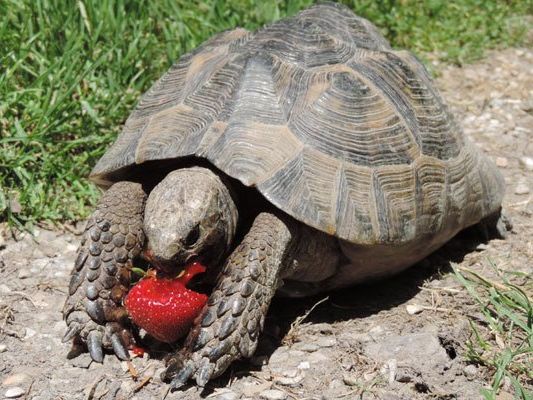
point(192, 237)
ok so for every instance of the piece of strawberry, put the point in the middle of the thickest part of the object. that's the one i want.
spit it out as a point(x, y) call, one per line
point(164, 307)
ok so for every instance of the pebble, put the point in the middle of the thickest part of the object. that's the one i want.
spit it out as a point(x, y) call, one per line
point(4, 289)
point(521, 188)
point(413, 309)
point(289, 381)
point(470, 371)
point(304, 365)
point(14, 392)
point(82, 361)
point(273, 394)
point(29, 333)
point(23, 274)
point(389, 370)
point(350, 380)
point(326, 342)
point(3, 347)
point(527, 163)
point(482, 246)
point(15, 379)
point(502, 162)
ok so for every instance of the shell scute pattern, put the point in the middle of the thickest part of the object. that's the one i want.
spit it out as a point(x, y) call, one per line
point(328, 122)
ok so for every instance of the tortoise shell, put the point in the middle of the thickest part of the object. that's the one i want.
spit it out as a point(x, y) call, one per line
point(329, 123)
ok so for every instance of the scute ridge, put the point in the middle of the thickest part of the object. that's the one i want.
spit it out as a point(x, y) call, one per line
point(328, 122)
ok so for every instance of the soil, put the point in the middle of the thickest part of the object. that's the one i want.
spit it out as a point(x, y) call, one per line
point(357, 343)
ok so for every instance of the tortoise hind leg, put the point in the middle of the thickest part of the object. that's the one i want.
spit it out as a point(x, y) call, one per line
point(494, 226)
point(93, 310)
point(229, 325)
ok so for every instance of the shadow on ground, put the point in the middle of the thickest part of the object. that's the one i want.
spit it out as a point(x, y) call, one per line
point(352, 303)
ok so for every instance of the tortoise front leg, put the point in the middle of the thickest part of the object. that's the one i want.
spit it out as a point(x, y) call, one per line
point(229, 325)
point(100, 279)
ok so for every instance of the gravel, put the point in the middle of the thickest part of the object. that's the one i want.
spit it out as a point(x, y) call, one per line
point(14, 392)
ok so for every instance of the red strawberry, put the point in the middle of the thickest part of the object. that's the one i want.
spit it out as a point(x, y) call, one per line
point(164, 307)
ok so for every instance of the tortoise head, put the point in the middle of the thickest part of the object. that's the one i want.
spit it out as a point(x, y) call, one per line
point(189, 216)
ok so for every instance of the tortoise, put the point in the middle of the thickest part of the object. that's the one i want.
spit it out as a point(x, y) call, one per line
point(304, 157)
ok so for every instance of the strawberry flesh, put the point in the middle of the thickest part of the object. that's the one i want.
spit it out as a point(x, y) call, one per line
point(165, 307)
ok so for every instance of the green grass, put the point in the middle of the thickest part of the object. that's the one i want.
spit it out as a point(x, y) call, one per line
point(71, 71)
point(502, 340)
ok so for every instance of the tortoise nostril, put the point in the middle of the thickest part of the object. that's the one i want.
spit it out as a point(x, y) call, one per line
point(192, 237)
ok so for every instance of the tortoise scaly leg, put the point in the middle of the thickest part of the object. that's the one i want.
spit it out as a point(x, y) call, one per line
point(100, 279)
point(229, 325)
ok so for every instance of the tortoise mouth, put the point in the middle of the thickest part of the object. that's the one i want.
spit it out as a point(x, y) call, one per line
point(174, 269)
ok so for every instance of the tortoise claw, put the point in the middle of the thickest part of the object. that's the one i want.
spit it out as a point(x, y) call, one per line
point(205, 372)
point(119, 347)
point(183, 376)
point(94, 344)
point(72, 331)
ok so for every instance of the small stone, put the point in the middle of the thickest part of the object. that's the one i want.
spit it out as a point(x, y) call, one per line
point(3, 348)
point(407, 374)
point(482, 246)
point(29, 333)
point(389, 370)
point(470, 371)
point(304, 365)
point(413, 309)
point(521, 189)
point(15, 379)
point(14, 392)
point(291, 377)
point(273, 394)
point(350, 380)
point(84, 360)
point(4, 289)
point(326, 342)
point(502, 162)
point(527, 163)
point(23, 274)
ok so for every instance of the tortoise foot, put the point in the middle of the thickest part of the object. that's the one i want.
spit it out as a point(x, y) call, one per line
point(113, 237)
point(230, 324)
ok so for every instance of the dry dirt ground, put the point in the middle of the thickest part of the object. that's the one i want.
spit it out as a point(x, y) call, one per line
point(359, 343)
